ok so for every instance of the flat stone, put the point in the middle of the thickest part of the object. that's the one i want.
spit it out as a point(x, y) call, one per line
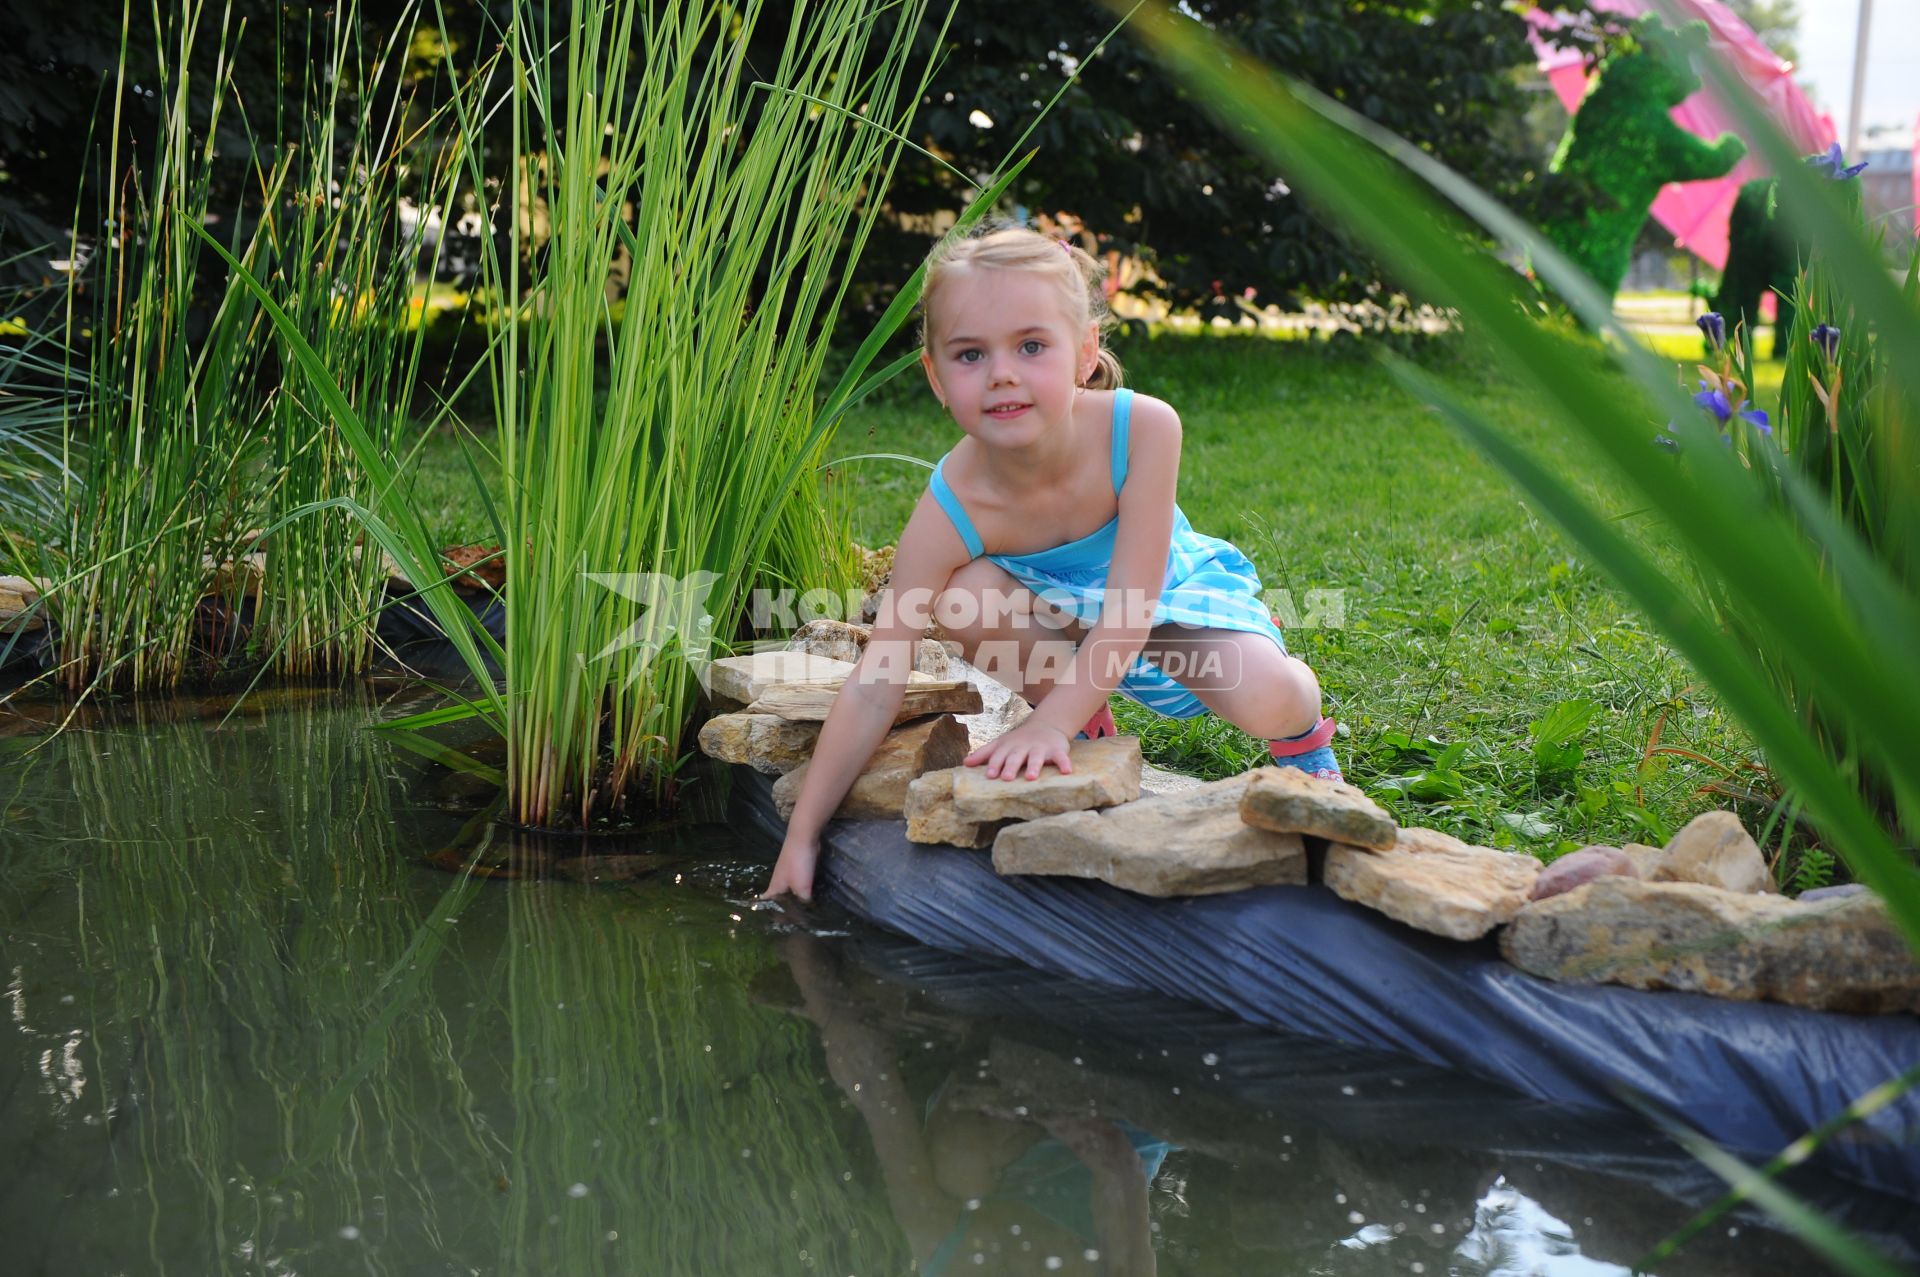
point(1434, 882)
point(742, 680)
point(1191, 842)
point(931, 818)
point(812, 702)
point(767, 744)
point(1001, 708)
point(1836, 955)
point(1105, 772)
point(1644, 858)
point(17, 594)
point(237, 578)
point(844, 641)
point(1288, 801)
point(1578, 868)
point(879, 792)
point(1839, 892)
point(1714, 850)
point(1158, 780)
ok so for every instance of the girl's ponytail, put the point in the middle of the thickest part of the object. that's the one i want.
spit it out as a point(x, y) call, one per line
point(1107, 373)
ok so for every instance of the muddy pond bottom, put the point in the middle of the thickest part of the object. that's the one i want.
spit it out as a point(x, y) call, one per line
point(278, 1002)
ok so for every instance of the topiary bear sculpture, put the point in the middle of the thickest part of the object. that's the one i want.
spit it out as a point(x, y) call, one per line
point(1621, 147)
point(1763, 255)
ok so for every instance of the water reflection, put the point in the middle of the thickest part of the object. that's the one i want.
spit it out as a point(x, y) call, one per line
point(1281, 1155)
point(657, 1121)
point(250, 1027)
point(233, 971)
point(973, 1175)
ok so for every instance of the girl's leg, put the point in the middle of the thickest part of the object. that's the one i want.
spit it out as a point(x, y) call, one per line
point(1242, 677)
point(1247, 680)
point(1005, 630)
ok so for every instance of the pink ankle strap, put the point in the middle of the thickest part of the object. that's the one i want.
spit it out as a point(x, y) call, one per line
point(1318, 738)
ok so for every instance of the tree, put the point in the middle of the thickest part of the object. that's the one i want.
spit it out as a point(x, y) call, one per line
point(1147, 171)
point(1776, 22)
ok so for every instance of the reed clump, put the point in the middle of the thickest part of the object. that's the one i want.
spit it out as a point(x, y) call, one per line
point(658, 460)
point(172, 436)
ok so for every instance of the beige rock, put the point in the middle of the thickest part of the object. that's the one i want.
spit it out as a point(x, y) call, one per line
point(1288, 801)
point(742, 680)
point(1104, 772)
point(1188, 843)
point(1433, 882)
point(931, 817)
point(17, 594)
point(763, 742)
point(1001, 708)
point(1714, 850)
point(812, 702)
point(879, 792)
point(1837, 955)
point(237, 578)
point(1644, 858)
point(843, 641)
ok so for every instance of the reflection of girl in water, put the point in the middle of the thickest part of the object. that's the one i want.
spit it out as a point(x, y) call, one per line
point(973, 1186)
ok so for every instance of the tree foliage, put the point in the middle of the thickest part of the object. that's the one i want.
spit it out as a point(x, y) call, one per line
point(1776, 22)
point(1146, 169)
point(1125, 152)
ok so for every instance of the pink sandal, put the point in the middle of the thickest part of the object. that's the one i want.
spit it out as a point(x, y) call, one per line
point(1311, 751)
point(1101, 724)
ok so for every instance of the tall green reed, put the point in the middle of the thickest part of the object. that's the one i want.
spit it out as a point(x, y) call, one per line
point(650, 455)
point(38, 388)
point(156, 493)
point(356, 146)
point(1843, 455)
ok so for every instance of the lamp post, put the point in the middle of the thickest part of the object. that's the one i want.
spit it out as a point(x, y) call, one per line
point(1859, 77)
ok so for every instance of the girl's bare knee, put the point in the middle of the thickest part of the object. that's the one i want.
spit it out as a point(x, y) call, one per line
point(963, 609)
point(1297, 696)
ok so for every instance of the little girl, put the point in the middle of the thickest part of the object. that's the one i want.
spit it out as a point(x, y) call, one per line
point(1049, 545)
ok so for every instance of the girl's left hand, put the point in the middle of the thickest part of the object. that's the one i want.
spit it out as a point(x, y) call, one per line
point(1023, 751)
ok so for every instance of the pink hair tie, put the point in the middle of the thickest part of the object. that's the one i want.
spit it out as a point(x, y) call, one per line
point(1065, 247)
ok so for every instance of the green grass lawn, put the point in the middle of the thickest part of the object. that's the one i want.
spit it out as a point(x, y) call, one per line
point(1467, 617)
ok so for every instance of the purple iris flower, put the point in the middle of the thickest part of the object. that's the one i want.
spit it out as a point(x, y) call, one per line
point(1716, 402)
point(1827, 337)
point(1714, 325)
point(1834, 164)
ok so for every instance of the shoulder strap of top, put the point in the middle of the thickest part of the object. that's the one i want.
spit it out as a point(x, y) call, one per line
point(1122, 417)
point(944, 494)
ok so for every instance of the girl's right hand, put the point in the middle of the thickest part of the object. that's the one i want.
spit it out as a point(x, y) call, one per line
point(793, 871)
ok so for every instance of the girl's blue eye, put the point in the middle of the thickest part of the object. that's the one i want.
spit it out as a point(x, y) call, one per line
point(968, 356)
point(1032, 346)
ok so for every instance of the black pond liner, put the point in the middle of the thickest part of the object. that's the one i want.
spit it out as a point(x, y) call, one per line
point(1751, 1076)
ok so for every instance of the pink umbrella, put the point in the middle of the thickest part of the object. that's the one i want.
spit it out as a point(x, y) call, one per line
point(1696, 212)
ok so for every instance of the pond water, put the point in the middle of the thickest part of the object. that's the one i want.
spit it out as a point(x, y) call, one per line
point(275, 1003)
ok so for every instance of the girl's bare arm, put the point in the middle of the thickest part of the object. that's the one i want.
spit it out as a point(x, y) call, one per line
point(863, 713)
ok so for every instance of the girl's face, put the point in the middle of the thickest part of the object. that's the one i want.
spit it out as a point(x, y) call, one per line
point(1004, 356)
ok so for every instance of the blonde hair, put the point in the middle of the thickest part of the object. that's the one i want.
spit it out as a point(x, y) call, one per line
point(1077, 273)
